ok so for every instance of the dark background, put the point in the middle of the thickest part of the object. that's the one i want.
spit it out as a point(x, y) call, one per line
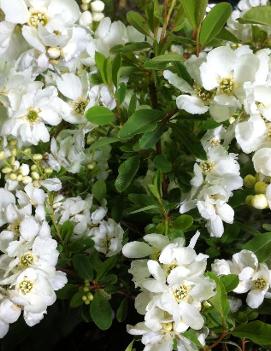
point(62, 328)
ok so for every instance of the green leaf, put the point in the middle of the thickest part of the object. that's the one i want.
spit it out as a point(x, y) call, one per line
point(127, 171)
point(256, 331)
point(82, 266)
point(150, 139)
point(76, 300)
point(121, 92)
point(260, 245)
point(122, 310)
point(162, 163)
point(67, 230)
point(220, 300)
point(183, 222)
point(195, 11)
point(214, 22)
point(162, 60)
point(100, 115)
point(99, 190)
point(257, 15)
point(130, 47)
point(100, 311)
point(103, 141)
point(143, 209)
point(100, 61)
point(139, 22)
point(229, 281)
point(139, 121)
point(130, 346)
point(116, 64)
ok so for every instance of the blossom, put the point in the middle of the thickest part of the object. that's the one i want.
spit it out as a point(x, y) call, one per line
point(254, 277)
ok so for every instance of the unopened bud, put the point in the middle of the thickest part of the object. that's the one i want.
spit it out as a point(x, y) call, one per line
point(35, 175)
point(37, 157)
point(54, 53)
point(249, 181)
point(2, 155)
point(259, 202)
point(97, 6)
point(91, 165)
point(6, 170)
point(84, 7)
point(27, 180)
point(12, 176)
point(85, 18)
point(249, 200)
point(260, 187)
point(97, 16)
point(48, 170)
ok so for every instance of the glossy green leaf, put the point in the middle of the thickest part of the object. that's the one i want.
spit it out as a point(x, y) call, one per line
point(214, 22)
point(100, 311)
point(138, 21)
point(256, 331)
point(138, 122)
point(162, 163)
point(257, 15)
point(260, 245)
point(195, 11)
point(82, 266)
point(100, 115)
point(127, 171)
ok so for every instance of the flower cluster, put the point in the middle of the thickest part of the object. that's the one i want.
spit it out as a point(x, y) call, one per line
point(173, 291)
point(29, 256)
point(254, 277)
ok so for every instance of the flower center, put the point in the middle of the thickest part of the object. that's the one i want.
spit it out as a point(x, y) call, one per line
point(32, 115)
point(203, 94)
point(38, 18)
point(207, 166)
point(181, 293)
point(214, 141)
point(169, 267)
point(167, 327)
point(226, 86)
point(25, 286)
point(79, 105)
point(260, 283)
point(27, 259)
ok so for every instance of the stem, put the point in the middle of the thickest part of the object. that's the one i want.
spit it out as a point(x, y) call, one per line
point(198, 47)
point(52, 216)
point(217, 342)
point(167, 15)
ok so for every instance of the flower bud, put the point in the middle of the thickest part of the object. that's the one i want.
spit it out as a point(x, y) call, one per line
point(37, 157)
point(260, 187)
point(84, 7)
point(6, 170)
point(48, 170)
point(2, 155)
point(249, 181)
point(97, 6)
point(259, 202)
point(12, 176)
point(97, 16)
point(86, 1)
point(249, 200)
point(27, 180)
point(85, 18)
point(35, 175)
point(54, 53)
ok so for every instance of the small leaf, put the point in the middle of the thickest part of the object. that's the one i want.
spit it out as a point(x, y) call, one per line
point(76, 300)
point(230, 281)
point(214, 22)
point(100, 61)
point(139, 121)
point(122, 310)
point(256, 331)
point(82, 266)
point(257, 15)
point(100, 311)
point(139, 22)
point(150, 139)
point(162, 60)
point(99, 190)
point(183, 222)
point(162, 164)
point(100, 115)
point(260, 245)
point(103, 141)
point(130, 346)
point(127, 171)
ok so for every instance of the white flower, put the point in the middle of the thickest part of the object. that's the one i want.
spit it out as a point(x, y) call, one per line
point(9, 313)
point(28, 122)
point(6, 199)
point(33, 291)
point(107, 237)
point(76, 90)
point(262, 161)
point(254, 277)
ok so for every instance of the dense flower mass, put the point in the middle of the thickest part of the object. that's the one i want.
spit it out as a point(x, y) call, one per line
point(135, 164)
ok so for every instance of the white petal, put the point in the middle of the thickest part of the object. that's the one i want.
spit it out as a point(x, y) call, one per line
point(255, 298)
point(136, 249)
point(70, 85)
point(15, 11)
point(29, 228)
point(156, 271)
point(177, 82)
point(191, 104)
